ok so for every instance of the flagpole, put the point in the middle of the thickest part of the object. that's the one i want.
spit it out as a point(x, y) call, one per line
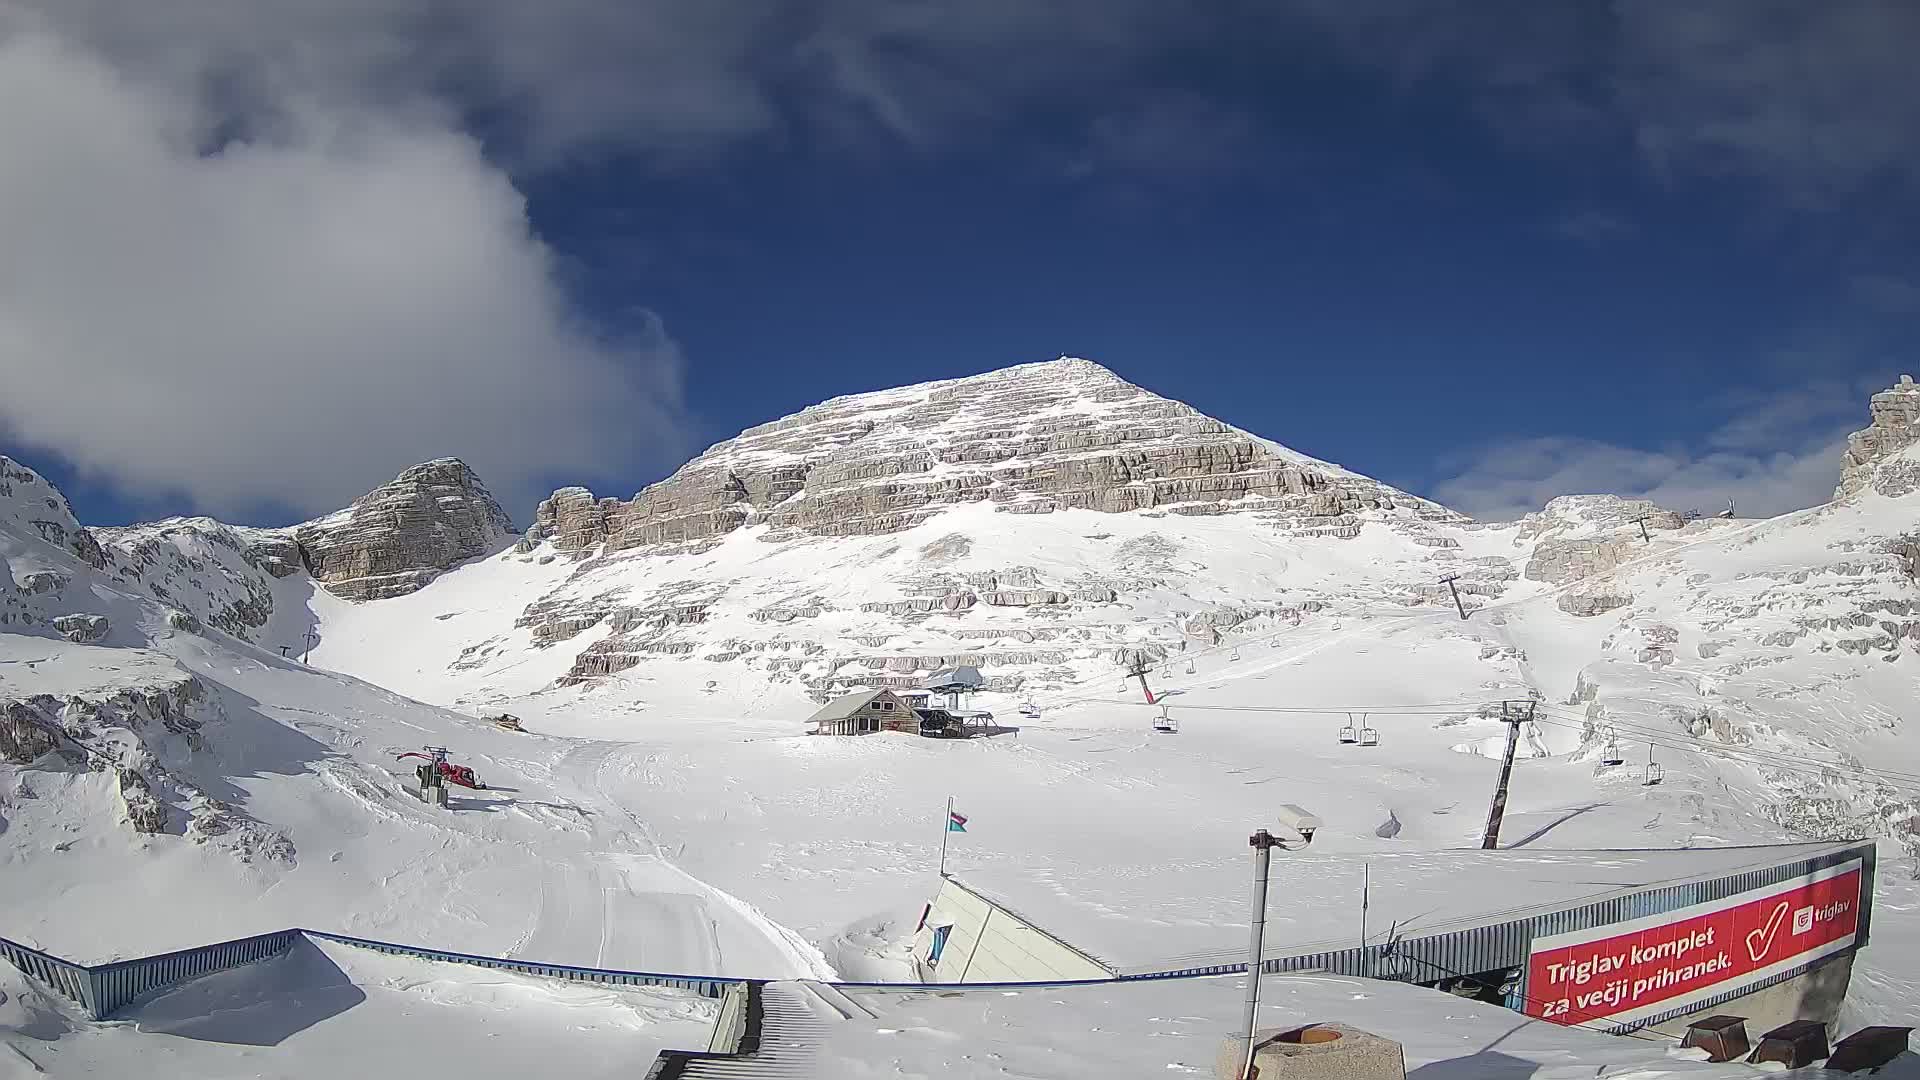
point(1366, 875)
point(946, 826)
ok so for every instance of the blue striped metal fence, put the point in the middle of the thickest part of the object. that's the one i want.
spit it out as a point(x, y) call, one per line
point(119, 984)
point(104, 989)
point(68, 979)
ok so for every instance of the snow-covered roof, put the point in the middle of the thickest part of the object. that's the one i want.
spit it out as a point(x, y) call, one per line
point(1133, 924)
point(844, 706)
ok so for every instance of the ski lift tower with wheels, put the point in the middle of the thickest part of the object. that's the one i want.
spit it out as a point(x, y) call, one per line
point(1140, 669)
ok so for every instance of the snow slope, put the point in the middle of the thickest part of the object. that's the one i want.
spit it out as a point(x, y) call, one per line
point(328, 1010)
point(254, 793)
point(671, 815)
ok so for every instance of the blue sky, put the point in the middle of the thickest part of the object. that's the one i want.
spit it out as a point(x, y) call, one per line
point(1485, 252)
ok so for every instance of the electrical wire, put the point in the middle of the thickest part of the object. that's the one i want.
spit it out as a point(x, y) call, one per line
point(1652, 732)
point(1721, 754)
point(1759, 755)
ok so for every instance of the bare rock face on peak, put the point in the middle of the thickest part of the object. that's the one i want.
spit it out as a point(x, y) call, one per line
point(1581, 536)
point(403, 534)
point(1895, 426)
point(30, 500)
point(1031, 439)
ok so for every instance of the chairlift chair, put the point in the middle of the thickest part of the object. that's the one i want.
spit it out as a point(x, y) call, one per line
point(1610, 754)
point(1165, 723)
point(1655, 773)
point(1189, 667)
point(1368, 736)
point(1235, 655)
point(1349, 734)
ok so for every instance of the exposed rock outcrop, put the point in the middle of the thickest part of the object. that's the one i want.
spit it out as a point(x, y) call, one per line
point(276, 550)
point(1560, 561)
point(144, 812)
point(1067, 434)
point(125, 733)
point(1894, 426)
point(1595, 600)
point(82, 629)
point(403, 534)
point(25, 733)
point(28, 498)
point(44, 582)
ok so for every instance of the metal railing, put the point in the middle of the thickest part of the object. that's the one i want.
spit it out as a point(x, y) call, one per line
point(731, 1024)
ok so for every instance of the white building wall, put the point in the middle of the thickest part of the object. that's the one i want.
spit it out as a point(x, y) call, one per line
point(991, 944)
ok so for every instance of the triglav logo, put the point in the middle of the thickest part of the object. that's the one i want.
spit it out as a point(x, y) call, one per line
point(1805, 918)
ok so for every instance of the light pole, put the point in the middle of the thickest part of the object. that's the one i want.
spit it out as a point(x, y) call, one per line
point(1302, 826)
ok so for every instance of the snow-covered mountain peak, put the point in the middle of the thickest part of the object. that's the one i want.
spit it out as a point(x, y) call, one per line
point(36, 508)
point(404, 533)
point(1875, 454)
point(1066, 434)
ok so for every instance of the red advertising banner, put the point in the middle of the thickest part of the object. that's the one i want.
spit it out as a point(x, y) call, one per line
point(1628, 970)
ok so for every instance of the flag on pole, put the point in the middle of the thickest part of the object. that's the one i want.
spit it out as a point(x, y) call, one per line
point(956, 822)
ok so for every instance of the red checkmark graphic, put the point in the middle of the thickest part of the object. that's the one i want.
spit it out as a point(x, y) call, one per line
point(1759, 941)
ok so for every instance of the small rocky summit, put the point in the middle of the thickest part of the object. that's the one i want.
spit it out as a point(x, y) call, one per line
point(401, 535)
point(1031, 439)
point(1895, 426)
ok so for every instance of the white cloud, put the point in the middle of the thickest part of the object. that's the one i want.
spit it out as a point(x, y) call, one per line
point(1509, 479)
point(294, 318)
point(1774, 453)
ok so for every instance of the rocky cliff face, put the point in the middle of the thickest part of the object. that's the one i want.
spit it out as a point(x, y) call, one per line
point(28, 499)
point(213, 574)
point(847, 544)
point(403, 534)
point(1870, 452)
point(1032, 439)
point(391, 541)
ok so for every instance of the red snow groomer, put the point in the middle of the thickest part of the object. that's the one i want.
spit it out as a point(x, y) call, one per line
point(436, 758)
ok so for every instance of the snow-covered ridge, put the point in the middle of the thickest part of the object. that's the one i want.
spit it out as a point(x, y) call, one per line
point(1036, 438)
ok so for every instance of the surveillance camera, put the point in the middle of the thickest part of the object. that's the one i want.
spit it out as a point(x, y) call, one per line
point(1295, 820)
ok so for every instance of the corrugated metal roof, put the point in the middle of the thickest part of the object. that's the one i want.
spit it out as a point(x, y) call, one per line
point(966, 676)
